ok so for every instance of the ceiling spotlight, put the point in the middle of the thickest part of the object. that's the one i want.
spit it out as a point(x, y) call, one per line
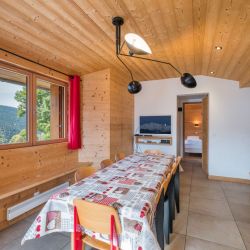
point(218, 47)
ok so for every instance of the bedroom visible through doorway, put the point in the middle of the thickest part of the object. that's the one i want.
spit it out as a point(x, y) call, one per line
point(192, 129)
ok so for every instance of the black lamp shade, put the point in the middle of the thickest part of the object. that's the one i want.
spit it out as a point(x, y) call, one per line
point(188, 80)
point(134, 87)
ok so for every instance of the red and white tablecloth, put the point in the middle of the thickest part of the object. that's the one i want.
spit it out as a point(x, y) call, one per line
point(130, 185)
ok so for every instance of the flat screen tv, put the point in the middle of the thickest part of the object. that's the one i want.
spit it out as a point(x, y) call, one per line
point(155, 124)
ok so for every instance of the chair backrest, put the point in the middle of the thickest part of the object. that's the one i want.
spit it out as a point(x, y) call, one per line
point(119, 156)
point(96, 217)
point(175, 165)
point(105, 163)
point(173, 168)
point(166, 182)
point(153, 152)
point(164, 187)
point(84, 172)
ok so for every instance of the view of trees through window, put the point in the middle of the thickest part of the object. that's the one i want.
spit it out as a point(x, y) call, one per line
point(15, 109)
point(13, 117)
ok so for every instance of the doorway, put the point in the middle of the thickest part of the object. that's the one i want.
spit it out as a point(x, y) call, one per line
point(192, 128)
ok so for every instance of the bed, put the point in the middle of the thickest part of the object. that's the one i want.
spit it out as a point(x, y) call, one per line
point(193, 144)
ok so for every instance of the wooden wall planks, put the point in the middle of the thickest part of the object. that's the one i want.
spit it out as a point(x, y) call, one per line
point(122, 115)
point(24, 195)
point(78, 37)
point(107, 116)
point(27, 170)
point(192, 115)
point(95, 110)
point(23, 166)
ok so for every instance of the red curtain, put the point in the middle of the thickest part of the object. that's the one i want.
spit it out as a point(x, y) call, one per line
point(74, 114)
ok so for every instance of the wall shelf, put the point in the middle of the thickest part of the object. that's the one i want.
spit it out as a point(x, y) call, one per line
point(153, 140)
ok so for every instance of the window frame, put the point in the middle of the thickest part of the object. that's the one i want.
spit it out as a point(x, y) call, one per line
point(34, 122)
point(31, 107)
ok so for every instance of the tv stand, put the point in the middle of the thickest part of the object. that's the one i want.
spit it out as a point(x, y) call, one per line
point(153, 140)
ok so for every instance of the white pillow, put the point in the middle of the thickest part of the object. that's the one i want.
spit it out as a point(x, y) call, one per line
point(193, 137)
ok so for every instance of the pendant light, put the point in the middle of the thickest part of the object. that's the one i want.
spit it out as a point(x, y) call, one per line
point(138, 46)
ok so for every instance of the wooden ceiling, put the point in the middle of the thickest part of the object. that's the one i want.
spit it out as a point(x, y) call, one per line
point(77, 36)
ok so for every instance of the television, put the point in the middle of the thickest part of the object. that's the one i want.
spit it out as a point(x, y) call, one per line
point(155, 124)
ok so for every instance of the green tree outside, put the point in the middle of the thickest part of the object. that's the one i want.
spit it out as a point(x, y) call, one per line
point(42, 111)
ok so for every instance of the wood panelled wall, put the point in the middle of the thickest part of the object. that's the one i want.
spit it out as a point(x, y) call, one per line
point(122, 115)
point(107, 115)
point(192, 115)
point(95, 111)
point(27, 170)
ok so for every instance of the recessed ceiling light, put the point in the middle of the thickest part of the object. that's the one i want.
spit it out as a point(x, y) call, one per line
point(212, 72)
point(218, 47)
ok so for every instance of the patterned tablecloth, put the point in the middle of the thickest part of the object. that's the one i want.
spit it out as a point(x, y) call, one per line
point(130, 185)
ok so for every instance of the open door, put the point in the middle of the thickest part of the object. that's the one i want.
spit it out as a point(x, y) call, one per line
point(205, 134)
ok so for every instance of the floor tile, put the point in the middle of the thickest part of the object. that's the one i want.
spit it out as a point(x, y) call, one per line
point(240, 212)
point(177, 242)
point(235, 186)
point(245, 232)
point(53, 241)
point(184, 202)
point(240, 197)
point(208, 193)
point(68, 247)
point(205, 183)
point(180, 222)
point(13, 232)
point(214, 229)
point(218, 208)
point(185, 180)
point(184, 189)
point(198, 244)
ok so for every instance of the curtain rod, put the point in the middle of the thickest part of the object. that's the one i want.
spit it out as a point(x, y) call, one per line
point(35, 62)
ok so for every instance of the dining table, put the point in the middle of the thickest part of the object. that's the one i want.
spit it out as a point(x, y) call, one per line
point(130, 185)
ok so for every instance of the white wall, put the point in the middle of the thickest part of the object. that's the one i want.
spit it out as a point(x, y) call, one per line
point(229, 119)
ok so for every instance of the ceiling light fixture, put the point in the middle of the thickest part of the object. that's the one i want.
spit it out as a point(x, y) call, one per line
point(218, 47)
point(138, 46)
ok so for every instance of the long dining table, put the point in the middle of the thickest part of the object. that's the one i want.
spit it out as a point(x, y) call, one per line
point(130, 185)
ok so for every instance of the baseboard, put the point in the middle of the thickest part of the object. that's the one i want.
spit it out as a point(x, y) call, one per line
point(229, 179)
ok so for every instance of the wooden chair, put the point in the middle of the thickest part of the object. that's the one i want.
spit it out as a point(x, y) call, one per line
point(84, 172)
point(175, 185)
point(119, 156)
point(105, 163)
point(153, 152)
point(168, 221)
point(162, 217)
point(97, 218)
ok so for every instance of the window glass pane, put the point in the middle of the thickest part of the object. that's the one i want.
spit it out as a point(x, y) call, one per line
point(13, 107)
point(50, 110)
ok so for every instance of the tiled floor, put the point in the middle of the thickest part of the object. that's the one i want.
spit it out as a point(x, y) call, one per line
point(214, 216)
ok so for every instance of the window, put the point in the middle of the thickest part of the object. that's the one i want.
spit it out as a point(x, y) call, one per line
point(13, 107)
point(50, 102)
point(32, 109)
